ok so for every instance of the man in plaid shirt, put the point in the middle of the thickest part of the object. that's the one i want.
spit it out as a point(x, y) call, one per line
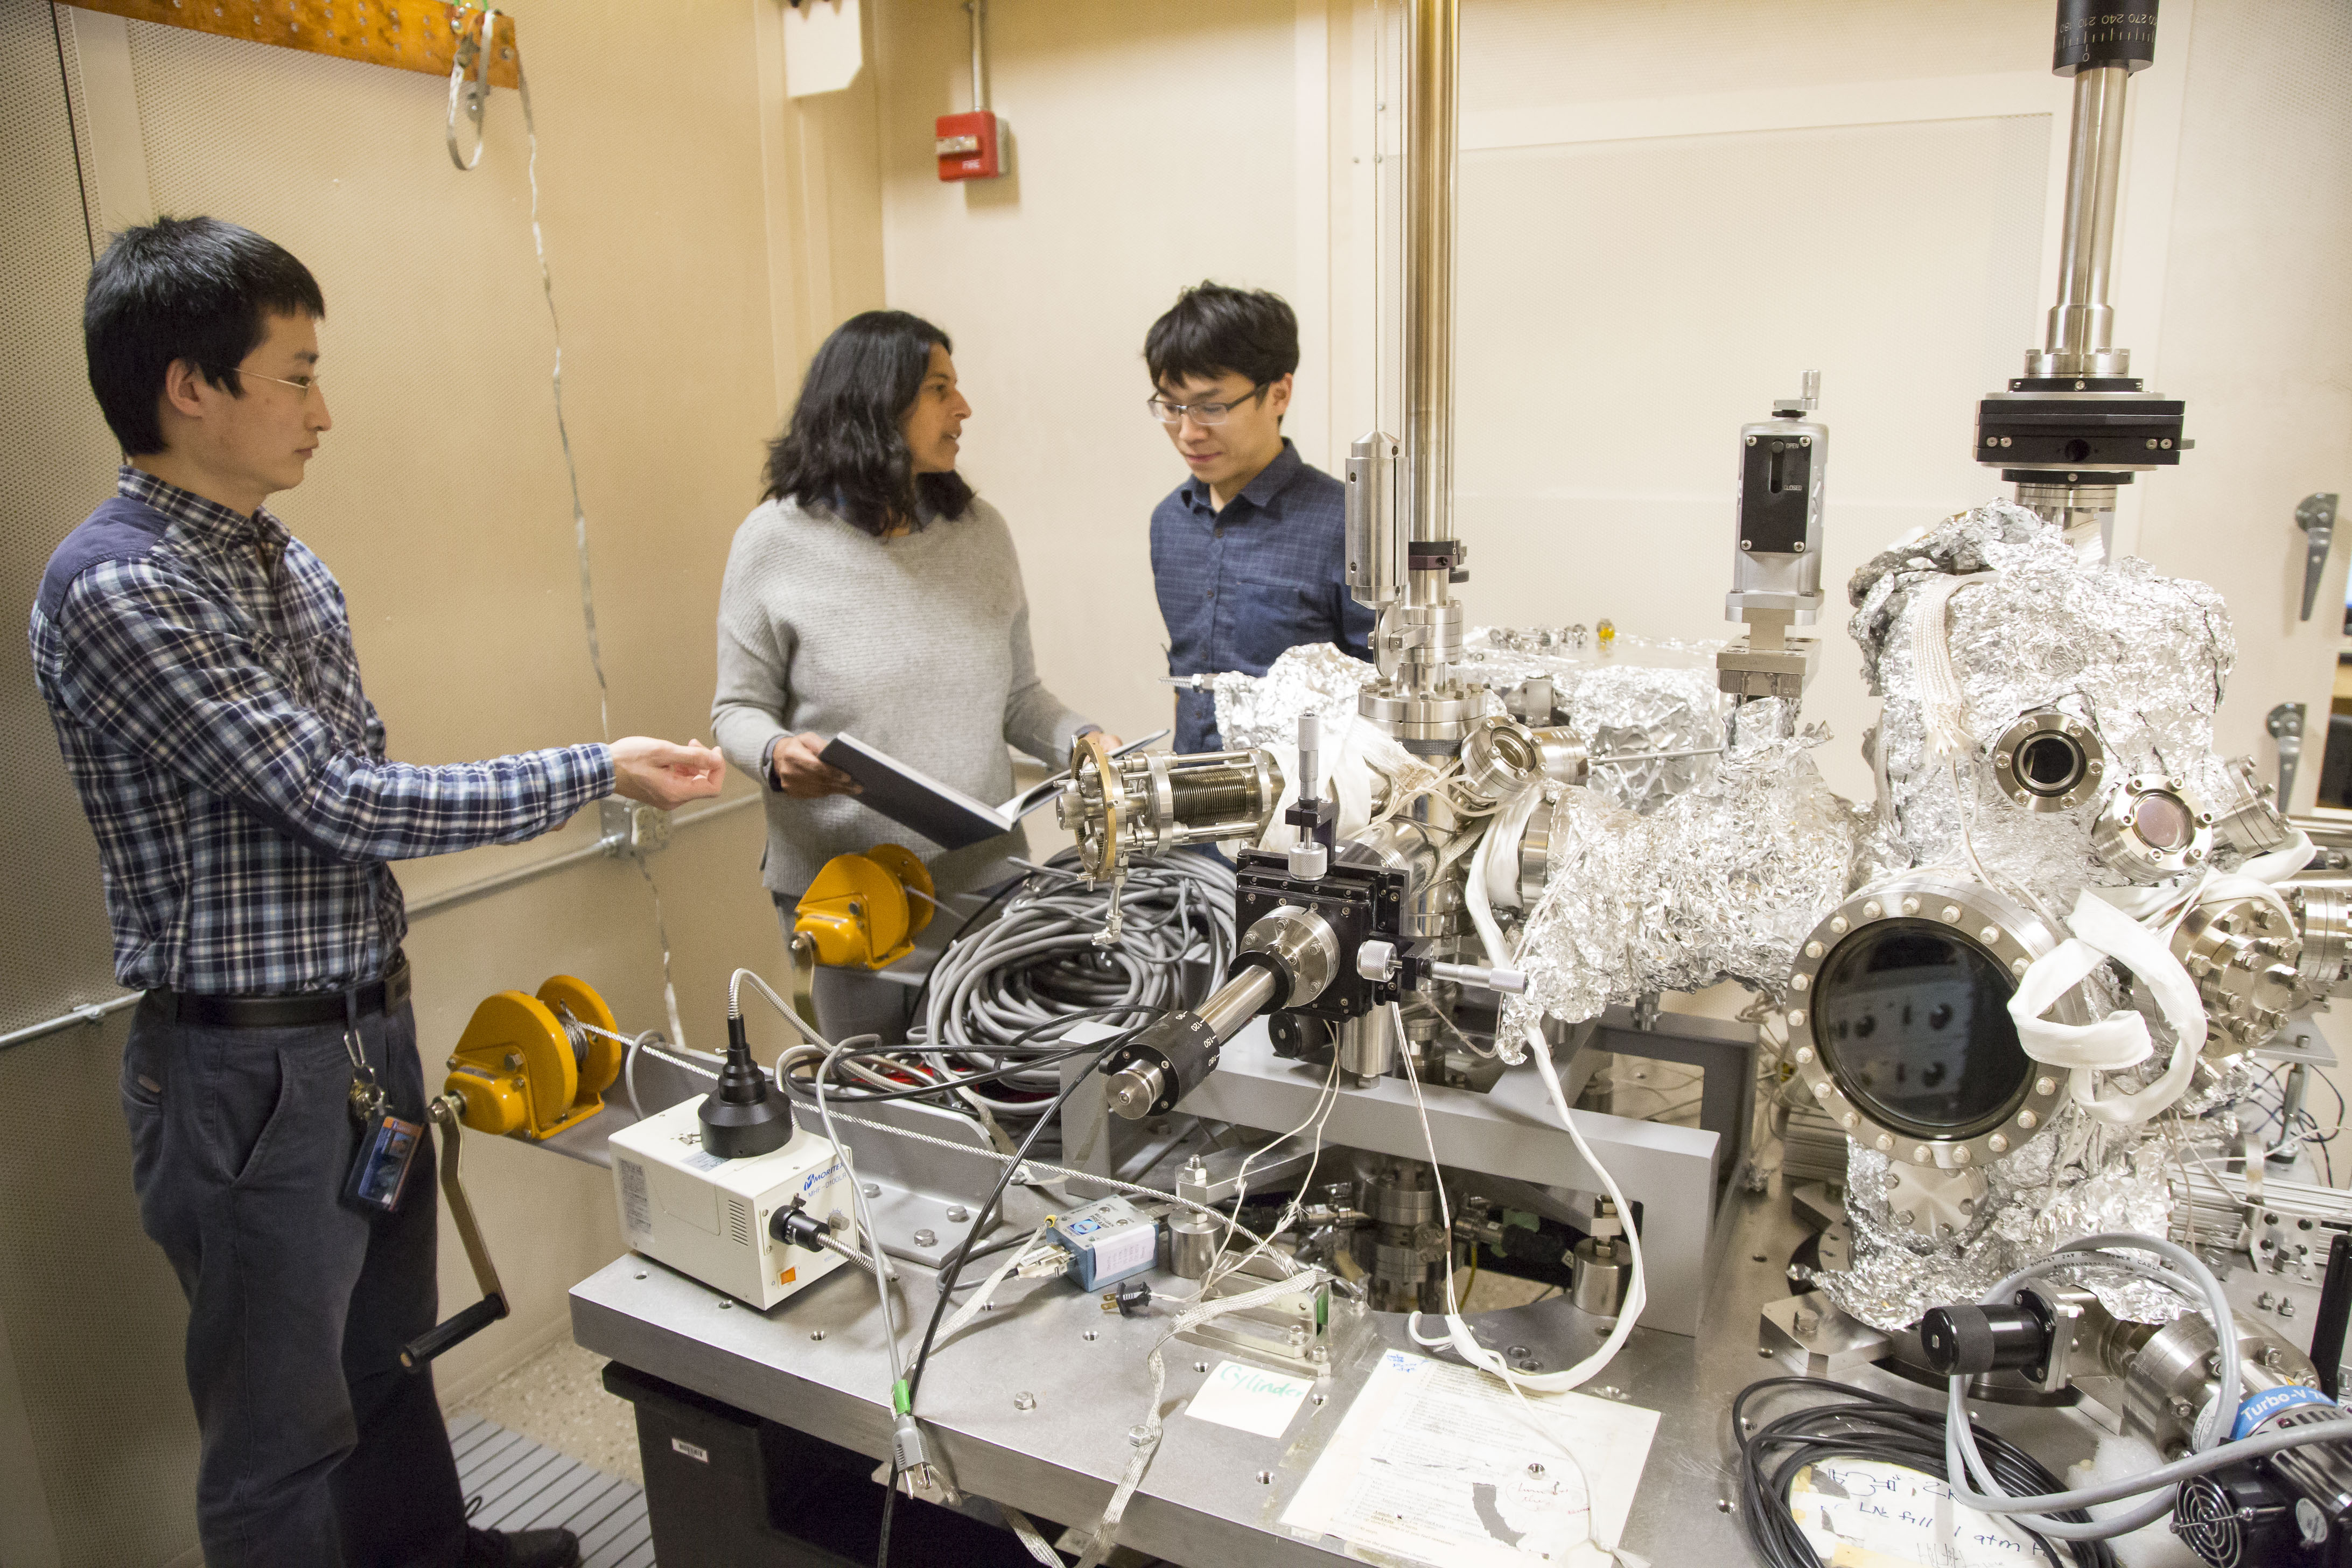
point(197, 662)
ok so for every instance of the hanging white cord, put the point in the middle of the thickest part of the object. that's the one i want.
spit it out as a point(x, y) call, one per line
point(476, 98)
point(1637, 1296)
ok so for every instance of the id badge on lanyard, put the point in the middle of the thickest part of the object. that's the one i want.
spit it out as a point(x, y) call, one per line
point(388, 1144)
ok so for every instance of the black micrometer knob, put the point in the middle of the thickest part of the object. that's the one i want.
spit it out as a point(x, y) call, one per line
point(2096, 34)
point(1165, 1061)
point(1967, 1340)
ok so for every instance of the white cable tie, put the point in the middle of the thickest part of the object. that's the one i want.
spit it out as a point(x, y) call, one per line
point(2121, 1039)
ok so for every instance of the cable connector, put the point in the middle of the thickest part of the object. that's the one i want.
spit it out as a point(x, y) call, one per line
point(911, 1453)
point(1044, 1260)
point(1132, 1300)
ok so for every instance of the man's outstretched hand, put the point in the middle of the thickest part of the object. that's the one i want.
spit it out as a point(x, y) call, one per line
point(662, 773)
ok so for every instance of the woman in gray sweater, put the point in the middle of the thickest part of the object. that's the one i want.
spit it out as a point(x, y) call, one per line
point(873, 592)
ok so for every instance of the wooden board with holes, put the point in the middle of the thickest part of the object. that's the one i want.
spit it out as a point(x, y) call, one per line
point(408, 35)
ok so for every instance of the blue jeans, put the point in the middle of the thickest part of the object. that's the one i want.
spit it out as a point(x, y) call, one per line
point(317, 1448)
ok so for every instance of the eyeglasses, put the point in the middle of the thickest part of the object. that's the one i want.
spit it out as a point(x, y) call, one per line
point(305, 385)
point(1200, 413)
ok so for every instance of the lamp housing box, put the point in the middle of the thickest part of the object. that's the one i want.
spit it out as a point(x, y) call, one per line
point(708, 1217)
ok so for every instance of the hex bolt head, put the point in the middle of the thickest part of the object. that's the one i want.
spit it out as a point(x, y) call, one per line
point(927, 1237)
point(958, 1214)
point(1139, 1436)
point(1024, 1400)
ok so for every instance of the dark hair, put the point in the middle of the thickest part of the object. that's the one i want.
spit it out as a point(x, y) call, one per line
point(1213, 331)
point(191, 288)
point(843, 449)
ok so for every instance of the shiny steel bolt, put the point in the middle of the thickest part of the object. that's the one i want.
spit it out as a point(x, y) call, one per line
point(926, 1239)
point(1024, 1400)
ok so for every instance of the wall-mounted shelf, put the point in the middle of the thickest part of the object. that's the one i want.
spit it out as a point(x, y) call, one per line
point(407, 34)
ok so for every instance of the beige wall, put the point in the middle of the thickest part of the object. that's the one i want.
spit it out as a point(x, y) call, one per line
point(2257, 334)
point(1628, 296)
point(440, 500)
point(1151, 148)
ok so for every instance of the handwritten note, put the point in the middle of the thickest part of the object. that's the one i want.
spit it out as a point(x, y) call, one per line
point(1875, 1515)
point(1248, 1398)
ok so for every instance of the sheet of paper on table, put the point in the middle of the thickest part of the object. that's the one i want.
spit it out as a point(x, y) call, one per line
point(1438, 1463)
point(1250, 1398)
point(1863, 1513)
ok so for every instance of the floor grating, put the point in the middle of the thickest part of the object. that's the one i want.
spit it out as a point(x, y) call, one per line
point(525, 1485)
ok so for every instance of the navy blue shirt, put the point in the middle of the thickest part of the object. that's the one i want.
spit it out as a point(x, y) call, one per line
point(1239, 586)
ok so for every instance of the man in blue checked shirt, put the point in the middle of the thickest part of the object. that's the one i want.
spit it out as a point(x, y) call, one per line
point(1248, 555)
point(198, 666)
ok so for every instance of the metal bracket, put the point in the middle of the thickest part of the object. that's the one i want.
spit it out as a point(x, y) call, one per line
point(2317, 516)
point(631, 827)
point(2286, 725)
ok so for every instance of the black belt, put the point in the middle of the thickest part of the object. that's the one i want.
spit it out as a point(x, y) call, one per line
point(385, 995)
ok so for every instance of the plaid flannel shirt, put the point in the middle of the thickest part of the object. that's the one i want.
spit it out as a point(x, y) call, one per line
point(198, 666)
point(1240, 586)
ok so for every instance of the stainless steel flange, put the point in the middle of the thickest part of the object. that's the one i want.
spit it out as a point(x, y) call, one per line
point(2048, 761)
point(2151, 827)
point(1897, 1012)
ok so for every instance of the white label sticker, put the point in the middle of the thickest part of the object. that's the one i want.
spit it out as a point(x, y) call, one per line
point(1123, 1250)
point(637, 1204)
point(699, 1456)
point(1250, 1399)
point(704, 1160)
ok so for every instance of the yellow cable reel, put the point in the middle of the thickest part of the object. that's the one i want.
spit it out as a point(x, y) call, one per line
point(524, 1064)
point(866, 910)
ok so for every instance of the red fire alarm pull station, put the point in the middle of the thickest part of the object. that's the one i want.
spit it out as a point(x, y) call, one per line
point(967, 147)
point(970, 146)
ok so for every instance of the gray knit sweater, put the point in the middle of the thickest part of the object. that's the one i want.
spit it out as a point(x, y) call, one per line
point(917, 645)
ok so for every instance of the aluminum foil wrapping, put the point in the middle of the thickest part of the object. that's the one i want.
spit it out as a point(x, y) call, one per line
point(1720, 882)
point(1638, 696)
point(1263, 709)
point(2079, 1178)
point(2142, 656)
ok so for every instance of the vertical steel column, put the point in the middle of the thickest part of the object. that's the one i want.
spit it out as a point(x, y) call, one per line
point(1429, 279)
point(2082, 323)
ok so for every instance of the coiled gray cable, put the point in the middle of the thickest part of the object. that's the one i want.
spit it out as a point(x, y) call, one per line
point(1039, 960)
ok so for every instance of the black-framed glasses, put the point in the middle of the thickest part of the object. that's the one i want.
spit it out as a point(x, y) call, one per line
point(1200, 413)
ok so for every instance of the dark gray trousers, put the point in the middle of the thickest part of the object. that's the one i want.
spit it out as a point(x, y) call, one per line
point(317, 1448)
